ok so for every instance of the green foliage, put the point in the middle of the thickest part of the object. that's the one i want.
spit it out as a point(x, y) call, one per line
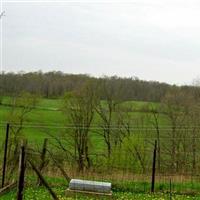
point(20, 106)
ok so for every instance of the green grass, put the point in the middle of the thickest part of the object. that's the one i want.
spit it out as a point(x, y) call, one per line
point(35, 193)
point(48, 113)
point(49, 118)
point(121, 190)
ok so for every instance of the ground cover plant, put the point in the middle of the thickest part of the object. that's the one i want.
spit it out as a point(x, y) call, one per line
point(134, 191)
point(41, 194)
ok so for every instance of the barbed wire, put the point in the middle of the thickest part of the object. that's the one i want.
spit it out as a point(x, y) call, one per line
point(56, 137)
point(98, 128)
point(95, 125)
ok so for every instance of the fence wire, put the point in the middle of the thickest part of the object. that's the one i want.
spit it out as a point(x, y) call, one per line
point(128, 162)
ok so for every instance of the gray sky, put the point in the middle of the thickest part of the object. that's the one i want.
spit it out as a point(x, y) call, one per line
point(150, 39)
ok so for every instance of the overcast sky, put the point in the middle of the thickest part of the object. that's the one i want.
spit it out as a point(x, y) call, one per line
point(150, 39)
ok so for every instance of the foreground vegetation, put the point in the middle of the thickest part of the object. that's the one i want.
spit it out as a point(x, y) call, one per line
point(121, 190)
point(41, 194)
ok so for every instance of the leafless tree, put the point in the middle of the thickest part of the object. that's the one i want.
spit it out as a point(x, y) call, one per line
point(79, 109)
point(106, 110)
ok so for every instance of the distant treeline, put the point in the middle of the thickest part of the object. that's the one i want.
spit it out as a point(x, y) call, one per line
point(54, 84)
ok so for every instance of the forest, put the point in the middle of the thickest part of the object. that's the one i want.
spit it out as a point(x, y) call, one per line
point(55, 84)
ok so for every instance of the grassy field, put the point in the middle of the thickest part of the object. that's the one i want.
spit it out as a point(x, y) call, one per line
point(49, 119)
point(49, 110)
point(59, 186)
point(42, 194)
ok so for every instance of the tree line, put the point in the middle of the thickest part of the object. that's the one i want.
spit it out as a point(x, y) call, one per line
point(55, 84)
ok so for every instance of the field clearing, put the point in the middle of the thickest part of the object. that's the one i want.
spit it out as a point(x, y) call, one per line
point(48, 113)
point(48, 119)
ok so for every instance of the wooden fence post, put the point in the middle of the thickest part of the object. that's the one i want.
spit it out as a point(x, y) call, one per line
point(154, 168)
point(22, 167)
point(43, 181)
point(5, 156)
point(7, 188)
point(43, 155)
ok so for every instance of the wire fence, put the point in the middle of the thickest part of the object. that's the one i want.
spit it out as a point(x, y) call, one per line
point(127, 162)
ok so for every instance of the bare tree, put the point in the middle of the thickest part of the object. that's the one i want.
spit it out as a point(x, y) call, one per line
point(177, 108)
point(21, 106)
point(79, 109)
point(106, 109)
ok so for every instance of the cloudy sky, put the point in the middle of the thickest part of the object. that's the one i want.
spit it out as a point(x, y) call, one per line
point(150, 39)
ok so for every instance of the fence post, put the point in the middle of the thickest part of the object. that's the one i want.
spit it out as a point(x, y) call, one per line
point(43, 155)
point(170, 189)
point(43, 181)
point(154, 168)
point(5, 156)
point(22, 167)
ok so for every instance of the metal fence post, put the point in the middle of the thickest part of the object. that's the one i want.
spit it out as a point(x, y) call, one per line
point(154, 168)
point(22, 167)
point(5, 156)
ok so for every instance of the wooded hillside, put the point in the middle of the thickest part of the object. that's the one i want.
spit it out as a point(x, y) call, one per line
point(55, 84)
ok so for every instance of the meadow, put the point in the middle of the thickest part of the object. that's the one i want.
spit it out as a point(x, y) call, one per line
point(48, 113)
point(59, 186)
point(47, 119)
point(41, 194)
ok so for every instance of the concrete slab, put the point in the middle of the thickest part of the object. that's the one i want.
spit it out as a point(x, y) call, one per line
point(91, 186)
